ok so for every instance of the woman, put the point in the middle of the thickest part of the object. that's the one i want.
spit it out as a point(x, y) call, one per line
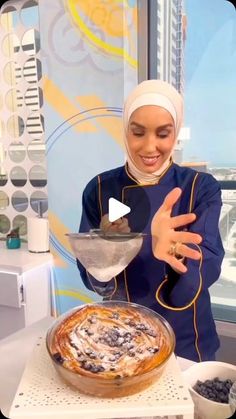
point(182, 253)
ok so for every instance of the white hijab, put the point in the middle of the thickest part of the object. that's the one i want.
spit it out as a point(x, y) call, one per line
point(159, 93)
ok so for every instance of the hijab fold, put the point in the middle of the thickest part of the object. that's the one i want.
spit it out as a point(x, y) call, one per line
point(159, 93)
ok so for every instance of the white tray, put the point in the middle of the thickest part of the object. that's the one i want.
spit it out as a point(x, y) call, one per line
point(42, 394)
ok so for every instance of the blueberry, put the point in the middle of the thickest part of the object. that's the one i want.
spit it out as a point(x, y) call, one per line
point(127, 337)
point(97, 368)
point(92, 319)
point(88, 366)
point(129, 346)
point(218, 386)
point(73, 345)
point(141, 326)
point(208, 383)
point(58, 358)
point(225, 390)
point(115, 315)
point(120, 341)
point(131, 323)
point(151, 333)
point(153, 350)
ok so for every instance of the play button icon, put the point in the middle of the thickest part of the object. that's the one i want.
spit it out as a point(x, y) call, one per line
point(114, 200)
point(116, 209)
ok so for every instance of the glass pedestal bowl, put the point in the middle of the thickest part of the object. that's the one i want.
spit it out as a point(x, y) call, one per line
point(110, 349)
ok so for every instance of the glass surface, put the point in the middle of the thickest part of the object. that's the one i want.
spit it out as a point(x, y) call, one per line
point(14, 100)
point(35, 125)
point(32, 70)
point(3, 176)
point(19, 201)
point(39, 198)
point(17, 152)
point(15, 126)
point(223, 292)
point(31, 42)
point(21, 222)
point(18, 176)
point(29, 14)
point(2, 153)
point(10, 45)
point(2, 129)
point(34, 98)
point(38, 176)
point(9, 18)
point(4, 200)
point(12, 73)
point(36, 151)
point(4, 224)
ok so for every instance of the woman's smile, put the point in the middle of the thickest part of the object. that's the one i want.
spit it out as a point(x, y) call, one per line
point(149, 160)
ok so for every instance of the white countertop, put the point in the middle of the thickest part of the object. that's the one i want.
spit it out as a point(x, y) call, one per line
point(21, 260)
point(14, 352)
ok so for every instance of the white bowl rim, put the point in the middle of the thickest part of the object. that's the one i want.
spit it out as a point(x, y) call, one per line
point(194, 367)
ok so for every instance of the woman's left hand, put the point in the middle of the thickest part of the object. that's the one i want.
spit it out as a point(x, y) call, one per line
point(168, 244)
point(119, 226)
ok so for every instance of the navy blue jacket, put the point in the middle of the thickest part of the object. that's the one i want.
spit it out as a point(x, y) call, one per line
point(183, 299)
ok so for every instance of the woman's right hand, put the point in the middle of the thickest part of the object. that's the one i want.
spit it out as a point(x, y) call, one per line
point(119, 226)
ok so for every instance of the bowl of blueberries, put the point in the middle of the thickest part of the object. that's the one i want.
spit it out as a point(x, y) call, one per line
point(210, 384)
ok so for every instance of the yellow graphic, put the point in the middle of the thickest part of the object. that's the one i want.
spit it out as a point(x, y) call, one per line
point(96, 10)
point(112, 124)
point(74, 294)
point(63, 106)
point(58, 262)
point(59, 230)
point(56, 98)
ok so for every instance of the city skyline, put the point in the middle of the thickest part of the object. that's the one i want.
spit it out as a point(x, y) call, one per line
point(170, 42)
point(210, 82)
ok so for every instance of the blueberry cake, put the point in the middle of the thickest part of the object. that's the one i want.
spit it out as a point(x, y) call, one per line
point(112, 342)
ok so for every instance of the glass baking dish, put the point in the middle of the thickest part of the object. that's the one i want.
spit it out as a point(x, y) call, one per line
point(110, 348)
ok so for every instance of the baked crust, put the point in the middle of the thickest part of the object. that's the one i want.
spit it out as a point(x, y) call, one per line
point(110, 342)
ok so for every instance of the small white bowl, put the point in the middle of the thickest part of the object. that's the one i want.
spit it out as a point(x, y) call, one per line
point(204, 408)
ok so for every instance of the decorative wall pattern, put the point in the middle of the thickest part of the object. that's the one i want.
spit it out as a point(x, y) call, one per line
point(23, 178)
point(89, 61)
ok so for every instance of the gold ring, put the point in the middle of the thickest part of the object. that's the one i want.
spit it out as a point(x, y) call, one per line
point(172, 249)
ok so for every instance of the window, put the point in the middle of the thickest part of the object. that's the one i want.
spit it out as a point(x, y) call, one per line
point(209, 87)
point(210, 113)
